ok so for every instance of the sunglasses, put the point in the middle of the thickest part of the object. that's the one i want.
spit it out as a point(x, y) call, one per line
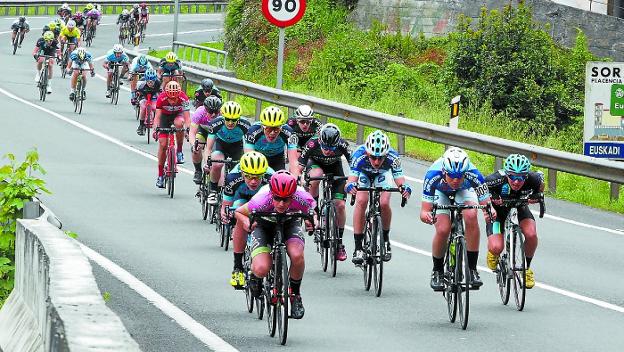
point(328, 147)
point(454, 175)
point(517, 177)
point(252, 177)
point(304, 122)
point(230, 120)
point(273, 129)
point(376, 157)
point(281, 199)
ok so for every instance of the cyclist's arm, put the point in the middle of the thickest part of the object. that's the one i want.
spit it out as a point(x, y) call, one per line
point(425, 212)
point(242, 215)
point(157, 117)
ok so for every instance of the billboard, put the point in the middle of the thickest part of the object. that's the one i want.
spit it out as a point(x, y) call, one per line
point(603, 131)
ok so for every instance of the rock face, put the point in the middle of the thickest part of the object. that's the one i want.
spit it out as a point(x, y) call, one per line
point(435, 17)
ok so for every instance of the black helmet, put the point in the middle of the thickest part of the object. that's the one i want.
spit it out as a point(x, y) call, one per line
point(212, 104)
point(329, 135)
point(46, 28)
point(207, 84)
point(22, 19)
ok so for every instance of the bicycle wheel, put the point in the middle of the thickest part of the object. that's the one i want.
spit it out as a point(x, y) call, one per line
point(137, 112)
point(115, 95)
point(247, 270)
point(64, 65)
point(462, 277)
point(43, 82)
point(81, 93)
point(171, 174)
point(450, 287)
point(260, 307)
point(283, 297)
point(323, 239)
point(368, 270)
point(15, 41)
point(227, 233)
point(78, 94)
point(518, 263)
point(503, 277)
point(378, 251)
point(148, 126)
point(203, 194)
point(271, 307)
point(333, 239)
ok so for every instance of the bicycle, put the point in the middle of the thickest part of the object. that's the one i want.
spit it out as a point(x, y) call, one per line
point(149, 116)
point(275, 284)
point(64, 60)
point(214, 210)
point(374, 245)
point(43, 77)
point(512, 261)
point(89, 33)
point(123, 33)
point(171, 163)
point(456, 278)
point(251, 300)
point(80, 90)
point(326, 236)
point(115, 82)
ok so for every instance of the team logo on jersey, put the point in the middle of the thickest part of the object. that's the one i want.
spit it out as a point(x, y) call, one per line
point(310, 144)
point(293, 139)
point(396, 163)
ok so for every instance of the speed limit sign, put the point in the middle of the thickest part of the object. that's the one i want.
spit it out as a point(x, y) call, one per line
point(283, 13)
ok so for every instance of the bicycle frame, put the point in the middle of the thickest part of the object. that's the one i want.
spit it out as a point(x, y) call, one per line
point(171, 165)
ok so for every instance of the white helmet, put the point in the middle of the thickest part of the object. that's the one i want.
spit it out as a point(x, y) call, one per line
point(65, 6)
point(377, 144)
point(304, 112)
point(118, 48)
point(71, 24)
point(456, 162)
point(124, 12)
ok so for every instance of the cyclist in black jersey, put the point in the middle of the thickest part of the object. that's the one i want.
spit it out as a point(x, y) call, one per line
point(304, 124)
point(206, 89)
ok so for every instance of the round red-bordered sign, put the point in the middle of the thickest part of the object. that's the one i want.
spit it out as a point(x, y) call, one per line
point(283, 13)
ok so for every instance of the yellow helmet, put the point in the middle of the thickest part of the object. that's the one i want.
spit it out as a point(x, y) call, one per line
point(52, 25)
point(272, 117)
point(231, 110)
point(171, 57)
point(254, 163)
point(48, 35)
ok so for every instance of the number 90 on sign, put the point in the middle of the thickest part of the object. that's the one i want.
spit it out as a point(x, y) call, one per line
point(283, 13)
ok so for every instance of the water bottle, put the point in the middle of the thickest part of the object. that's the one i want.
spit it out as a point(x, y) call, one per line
point(452, 251)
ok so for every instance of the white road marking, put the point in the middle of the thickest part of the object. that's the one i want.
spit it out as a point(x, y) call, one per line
point(202, 333)
point(546, 287)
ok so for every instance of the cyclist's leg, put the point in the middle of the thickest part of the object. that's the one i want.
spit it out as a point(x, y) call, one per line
point(197, 156)
point(109, 78)
point(260, 251)
point(23, 32)
point(74, 77)
point(359, 211)
point(50, 64)
point(527, 224)
point(494, 231)
point(339, 196)
point(178, 122)
point(13, 35)
point(277, 162)
point(165, 122)
point(295, 243)
point(314, 171)
point(215, 169)
point(142, 108)
point(239, 234)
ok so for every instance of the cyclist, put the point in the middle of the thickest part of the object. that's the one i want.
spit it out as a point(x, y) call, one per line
point(79, 19)
point(169, 65)
point(304, 124)
point(224, 140)
point(135, 13)
point(322, 155)
point(202, 116)
point(172, 108)
point(241, 184)
point(281, 195)
point(88, 7)
point(150, 85)
point(144, 11)
point(271, 136)
point(123, 20)
point(512, 182)
point(205, 89)
point(46, 45)
point(79, 58)
point(22, 26)
point(454, 175)
point(374, 164)
point(115, 56)
point(70, 34)
point(56, 30)
point(64, 12)
point(93, 18)
point(139, 65)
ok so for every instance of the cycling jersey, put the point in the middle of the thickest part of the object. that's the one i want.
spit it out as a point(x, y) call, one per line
point(263, 201)
point(43, 48)
point(303, 137)
point(110, 57)
point(434, 181)
point(200, 96)
point(143, 89)
point(136, 68)
point(144, 11)
point(73, 57)
point(65, 32)
point(256, 140)
point(499, 187)
point(360, 164)
point(93, 14)
point(201, 116)
point(312, 153)
point(169, 68)
point(217, 130)
point(236, 189)
point(167, 108)
point(18, 26)
point(123, 19)
point(79, 21)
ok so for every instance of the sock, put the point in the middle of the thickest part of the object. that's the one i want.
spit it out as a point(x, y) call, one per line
point(295, 286)
point(213, 186)
point(340, 234)
point(359, 237)
point(197, 166)
point(528, 261)
point(179, 148)
point(386, 235)
point(161, 169)
point(438, 264)
point(472, 259)
point(238, 261)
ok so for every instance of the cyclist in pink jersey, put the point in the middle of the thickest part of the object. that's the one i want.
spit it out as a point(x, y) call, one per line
point(281, 195)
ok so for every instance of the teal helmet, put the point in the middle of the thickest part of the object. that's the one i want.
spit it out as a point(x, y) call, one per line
point(517, 164)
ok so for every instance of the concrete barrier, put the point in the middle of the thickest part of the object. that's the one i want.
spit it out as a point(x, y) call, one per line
point(56, 304)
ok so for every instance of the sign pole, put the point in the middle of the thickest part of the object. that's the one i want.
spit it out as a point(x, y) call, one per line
point(280, 57)
point(175, 21)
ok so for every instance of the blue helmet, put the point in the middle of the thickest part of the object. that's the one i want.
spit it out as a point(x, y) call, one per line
point(150, 75)
point(517, 164)
point(142, 61)
point(456, 162)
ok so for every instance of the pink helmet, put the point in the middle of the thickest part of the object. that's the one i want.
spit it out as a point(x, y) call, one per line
point(283, 184)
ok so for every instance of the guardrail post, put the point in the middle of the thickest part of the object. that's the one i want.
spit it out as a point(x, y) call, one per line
point(401, 140)
point(615, 191)
point(359, 139)
point(289, 112)
point(498, 163)
point(323, 119)
point(258, 109)
point(552, 180)
point(231, 96)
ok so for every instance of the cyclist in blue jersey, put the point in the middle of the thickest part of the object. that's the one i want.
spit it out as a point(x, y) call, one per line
point(454, 175)
point(374, 164)
point(139, 65)
point(242, 183)
point(79, 58)
point(117, 56)
point(225, 134)
point(271, 136)
point(149, 87)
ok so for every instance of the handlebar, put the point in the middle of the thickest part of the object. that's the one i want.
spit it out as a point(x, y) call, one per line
point(326, 177)
point(460, 207)
point(169, 129)
point(227, 161)
point(280, 216)
point(380, 189)
point(519, 202)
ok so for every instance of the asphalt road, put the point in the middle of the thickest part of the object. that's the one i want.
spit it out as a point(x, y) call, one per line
point(102, 177)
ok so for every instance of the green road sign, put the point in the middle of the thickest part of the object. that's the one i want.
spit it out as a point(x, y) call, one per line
point(617, 100)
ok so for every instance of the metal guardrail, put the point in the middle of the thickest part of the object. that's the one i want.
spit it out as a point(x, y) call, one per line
point(552, 159)
point(189, 55)
point(108, 6)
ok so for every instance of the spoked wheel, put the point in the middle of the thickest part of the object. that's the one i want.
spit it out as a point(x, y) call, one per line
point(78, 95)
point(43, 83)
point(518, 263)
point(149, 121)
point(450, 286)
point(462, 276)
point(379, 250)
point(323, 239)
point(283, 300)
point(333, 240)
point(227, 235)
point(368, 268)
point(15, 42)
point(271, 309)
point(64, 66)
point(502, 277)
point(260, 307)
point(247, 270)
point(171, 173)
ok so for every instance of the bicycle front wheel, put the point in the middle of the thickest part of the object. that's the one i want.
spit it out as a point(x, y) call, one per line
point(462, 277)
point(502, 275)
point(271, 307)
point(450, 287)
point(378, 251)
point(283, 296)
point(367, 268)
point(323, 239)
point(227, 234)
point(518, 263)
point(43, 82)
point(333, 240)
